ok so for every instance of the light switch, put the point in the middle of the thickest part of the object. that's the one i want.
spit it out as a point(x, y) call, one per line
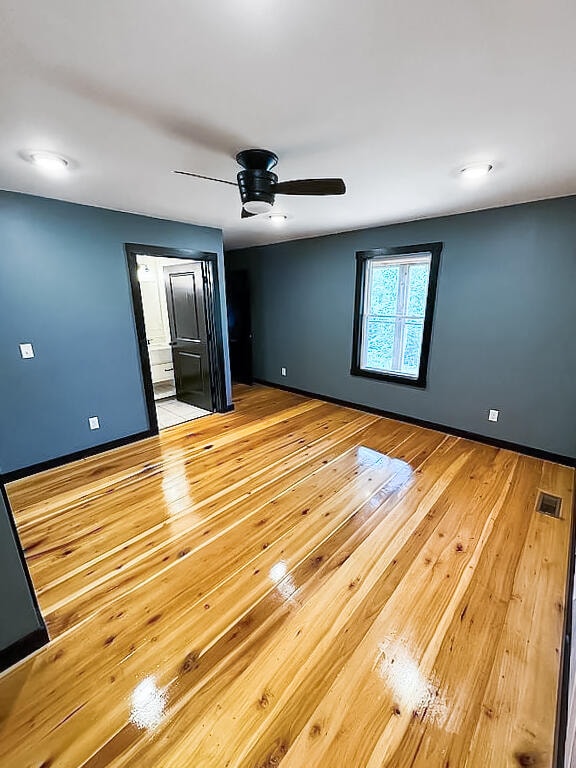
point(27, 351)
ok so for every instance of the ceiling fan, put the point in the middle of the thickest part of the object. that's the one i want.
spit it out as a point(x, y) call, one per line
point(258, 185)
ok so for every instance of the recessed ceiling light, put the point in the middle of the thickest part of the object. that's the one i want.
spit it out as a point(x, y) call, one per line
point(476, 170)
point(49, 162)
point(278, 218)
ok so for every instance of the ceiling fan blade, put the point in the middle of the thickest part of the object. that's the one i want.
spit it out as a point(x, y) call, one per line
point(310, 187)
point(208, 178)
point(246, 214)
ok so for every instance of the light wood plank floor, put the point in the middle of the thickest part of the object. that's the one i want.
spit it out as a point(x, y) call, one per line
point(293, 584)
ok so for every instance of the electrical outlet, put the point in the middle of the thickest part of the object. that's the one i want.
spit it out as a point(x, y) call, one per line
point(493, 415)
point(93, 422)
point(283, 371)
point(26, 351)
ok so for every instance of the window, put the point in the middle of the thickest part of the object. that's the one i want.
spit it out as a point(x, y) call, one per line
point(395, 291)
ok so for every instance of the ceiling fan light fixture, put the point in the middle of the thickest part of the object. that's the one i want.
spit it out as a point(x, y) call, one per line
point(257, 206)
point(476, 171)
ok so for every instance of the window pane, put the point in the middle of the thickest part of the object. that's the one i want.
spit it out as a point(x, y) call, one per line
point(393, 312)
point(412, 346)
point(418, 275)
point(379, 343)
point(385, 281)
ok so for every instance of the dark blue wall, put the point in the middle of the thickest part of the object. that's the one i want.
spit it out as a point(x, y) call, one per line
point(18, 616)
point(504, 327)
point(64, 287)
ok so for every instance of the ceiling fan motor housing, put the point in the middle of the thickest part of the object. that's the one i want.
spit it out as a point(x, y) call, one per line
point(256, 190)
point(258, 185)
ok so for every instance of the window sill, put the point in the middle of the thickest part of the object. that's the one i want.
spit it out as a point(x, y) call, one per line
point(419, 383)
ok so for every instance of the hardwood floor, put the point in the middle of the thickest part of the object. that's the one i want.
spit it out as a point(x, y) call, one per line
point(294, 584)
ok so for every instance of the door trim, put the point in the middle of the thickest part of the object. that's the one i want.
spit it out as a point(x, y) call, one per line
point(213, 311)
point(39, 637)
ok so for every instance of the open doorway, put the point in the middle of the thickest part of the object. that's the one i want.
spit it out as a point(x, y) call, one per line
point(174, 306)
point(174, 319)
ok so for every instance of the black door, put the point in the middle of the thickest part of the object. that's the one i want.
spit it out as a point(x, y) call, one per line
point(239, 325)
point(188, 331)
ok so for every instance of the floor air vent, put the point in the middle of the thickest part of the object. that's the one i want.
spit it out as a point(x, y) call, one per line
point(548, 504)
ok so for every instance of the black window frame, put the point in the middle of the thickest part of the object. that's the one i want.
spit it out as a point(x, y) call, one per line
point(362, 258)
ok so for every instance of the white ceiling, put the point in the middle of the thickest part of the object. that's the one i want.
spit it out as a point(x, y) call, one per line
point(392, 95)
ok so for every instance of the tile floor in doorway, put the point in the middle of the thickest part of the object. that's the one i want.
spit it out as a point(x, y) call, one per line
point(171, 412)
point(163, 389)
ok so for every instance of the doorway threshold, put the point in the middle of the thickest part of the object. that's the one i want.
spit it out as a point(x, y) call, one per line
point(171, 412)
